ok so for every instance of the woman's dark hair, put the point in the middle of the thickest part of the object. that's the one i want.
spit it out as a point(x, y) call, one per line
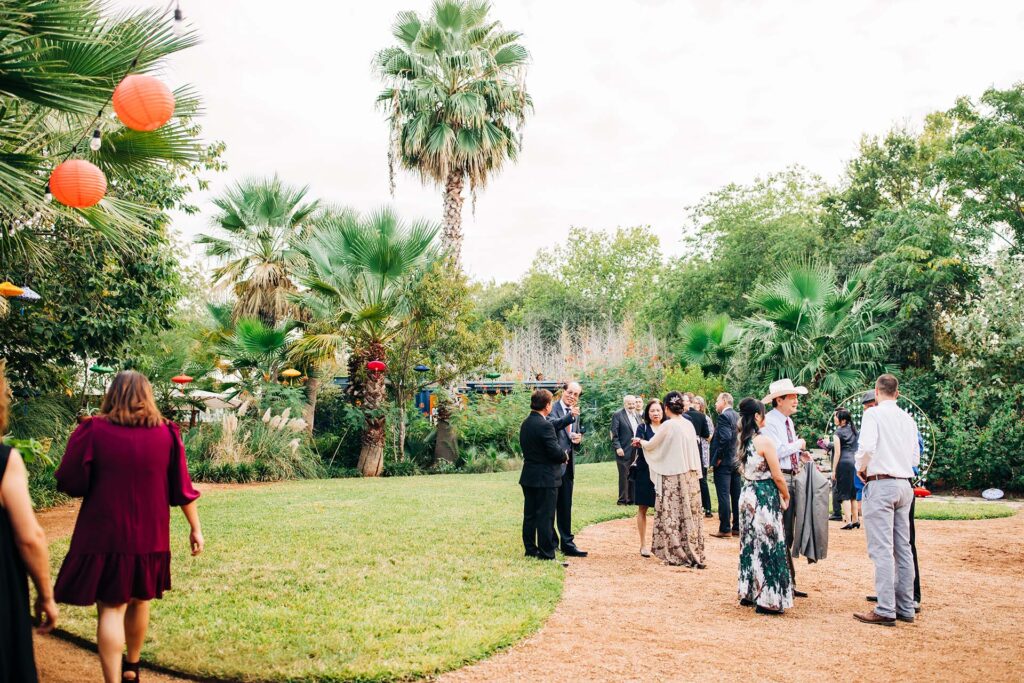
point(750, 407)
point(647, 410)
point(844, 416)
point(674, 401)
point(129, 401)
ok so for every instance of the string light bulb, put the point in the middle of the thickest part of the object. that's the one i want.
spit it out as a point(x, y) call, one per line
point(97, 141)
point(179, 21)
point(47, 195)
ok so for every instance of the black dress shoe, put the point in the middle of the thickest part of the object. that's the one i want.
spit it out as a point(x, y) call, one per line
point(871, 598)
point(746, 603)
point(799, 594)
point(848, 526)
point(765, 610)
point(835, 518)
point(574, 552)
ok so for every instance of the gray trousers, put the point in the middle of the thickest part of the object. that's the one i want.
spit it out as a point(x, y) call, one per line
point(788, 523)
point(886, 507)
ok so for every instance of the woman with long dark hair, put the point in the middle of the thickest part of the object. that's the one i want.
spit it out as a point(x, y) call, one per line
point(764, 578)
point(640, 472)
point(128, 464)
point(674, 461)
point(844, 470)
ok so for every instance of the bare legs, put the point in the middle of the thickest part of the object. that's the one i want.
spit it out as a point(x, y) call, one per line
point(114, 625)
point(641, 526)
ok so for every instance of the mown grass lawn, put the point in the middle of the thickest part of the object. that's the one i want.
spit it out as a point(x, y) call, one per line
point(356, 578)
point(366, 579)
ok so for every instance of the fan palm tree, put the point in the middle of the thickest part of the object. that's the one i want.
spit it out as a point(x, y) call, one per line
point(708, 342)
point(261, 218)
point(60, 60)
point(357, 281)
point(456, 100)
point(812, 328)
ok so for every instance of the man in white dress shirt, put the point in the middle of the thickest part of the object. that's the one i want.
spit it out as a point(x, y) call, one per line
point(887, 453)
point(778, 426)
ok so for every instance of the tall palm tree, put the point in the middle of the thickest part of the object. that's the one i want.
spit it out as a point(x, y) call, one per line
point(456, 100)
point(262, 219)
point(708, 342)
point(357, 280)
point(60, 60)
point(812, 328)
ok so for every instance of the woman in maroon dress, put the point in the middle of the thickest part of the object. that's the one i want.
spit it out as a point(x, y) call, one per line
point(129, 465)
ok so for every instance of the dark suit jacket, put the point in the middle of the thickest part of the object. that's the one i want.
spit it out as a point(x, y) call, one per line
point(622, 433)
point(700, 425)
point(723, 443)
point(542, 456)
point(561, 418)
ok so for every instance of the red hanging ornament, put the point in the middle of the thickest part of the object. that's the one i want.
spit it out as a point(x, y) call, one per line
point(143, 102)
point(376, 366)
point(181, 379)
point(78, 183)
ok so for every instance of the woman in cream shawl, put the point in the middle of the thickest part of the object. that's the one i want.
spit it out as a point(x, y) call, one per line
point(674, 460)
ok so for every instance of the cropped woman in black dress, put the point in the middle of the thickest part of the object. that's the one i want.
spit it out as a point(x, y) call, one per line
point(23, 553)
point(643, 491)
point(844, 448)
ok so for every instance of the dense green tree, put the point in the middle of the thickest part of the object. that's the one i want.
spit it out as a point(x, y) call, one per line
point(737, 237)
point(358, 275)
point(261, 220)
point(985, 167)
point(456, 100)
point(593, 278)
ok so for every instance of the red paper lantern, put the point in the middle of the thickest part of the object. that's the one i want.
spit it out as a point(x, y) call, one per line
point(143, 102)
point(376, 366)
point(78, 183)
point(181, 379)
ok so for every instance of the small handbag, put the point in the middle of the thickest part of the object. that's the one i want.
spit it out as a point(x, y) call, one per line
point(631, 476)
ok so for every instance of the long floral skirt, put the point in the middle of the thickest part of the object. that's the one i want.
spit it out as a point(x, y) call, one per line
point(679, 521)
point(764, 573)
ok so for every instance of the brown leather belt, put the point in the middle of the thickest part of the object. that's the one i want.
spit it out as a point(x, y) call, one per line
point(876, 477)
point(788, 471)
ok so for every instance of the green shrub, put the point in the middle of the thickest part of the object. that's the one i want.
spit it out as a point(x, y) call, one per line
point(264, 453)
point(492, 421)
point(406, 468)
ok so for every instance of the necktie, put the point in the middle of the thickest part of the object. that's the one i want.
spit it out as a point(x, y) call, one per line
point(793, 456)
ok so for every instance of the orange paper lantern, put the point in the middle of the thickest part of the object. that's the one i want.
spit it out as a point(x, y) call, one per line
point(143, 102)
point(78, 183)
point(10, 290)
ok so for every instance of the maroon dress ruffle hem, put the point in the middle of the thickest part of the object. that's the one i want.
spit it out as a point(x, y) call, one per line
point(129, 478)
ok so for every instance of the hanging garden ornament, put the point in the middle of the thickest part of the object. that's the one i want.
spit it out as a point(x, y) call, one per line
point(77, 183)
point(143, 102)
point(493, 375)
point(376, 366)
point(101, 369)
point(421, 368)
point(9, 290)
point(290, 373)
point(181, 379)
point(28, 295)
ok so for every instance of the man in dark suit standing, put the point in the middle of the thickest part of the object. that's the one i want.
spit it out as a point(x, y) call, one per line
point(543, 458)
point(723, 460)
point(700, 425)
point(565, 418)
point(624, 424)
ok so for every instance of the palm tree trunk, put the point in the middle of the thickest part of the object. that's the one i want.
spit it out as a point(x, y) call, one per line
point(312, 393)
point(371, 455)
point(452, 235)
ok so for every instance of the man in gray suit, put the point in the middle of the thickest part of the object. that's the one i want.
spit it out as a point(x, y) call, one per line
point(565, 416)
point(624, 424)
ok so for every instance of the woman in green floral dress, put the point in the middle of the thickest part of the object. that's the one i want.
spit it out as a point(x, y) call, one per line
point(764, 579)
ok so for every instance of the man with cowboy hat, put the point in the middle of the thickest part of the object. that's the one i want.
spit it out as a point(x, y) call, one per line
point(778, 426)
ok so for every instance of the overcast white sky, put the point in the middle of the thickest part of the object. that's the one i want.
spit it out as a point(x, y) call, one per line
point(642, 106)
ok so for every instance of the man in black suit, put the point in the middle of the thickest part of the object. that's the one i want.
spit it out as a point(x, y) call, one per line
point(723, 461)
point(624, 424)
point(700, 425)
point(541, 477)
point(565, 418)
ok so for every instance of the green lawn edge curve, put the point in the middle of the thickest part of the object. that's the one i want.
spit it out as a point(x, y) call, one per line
point(366, 579)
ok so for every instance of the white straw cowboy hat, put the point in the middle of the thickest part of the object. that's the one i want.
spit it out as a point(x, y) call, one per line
point(782, 387)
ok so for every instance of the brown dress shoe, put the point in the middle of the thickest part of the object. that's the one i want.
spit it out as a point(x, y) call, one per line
point(874, 618)
point(719, 534)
